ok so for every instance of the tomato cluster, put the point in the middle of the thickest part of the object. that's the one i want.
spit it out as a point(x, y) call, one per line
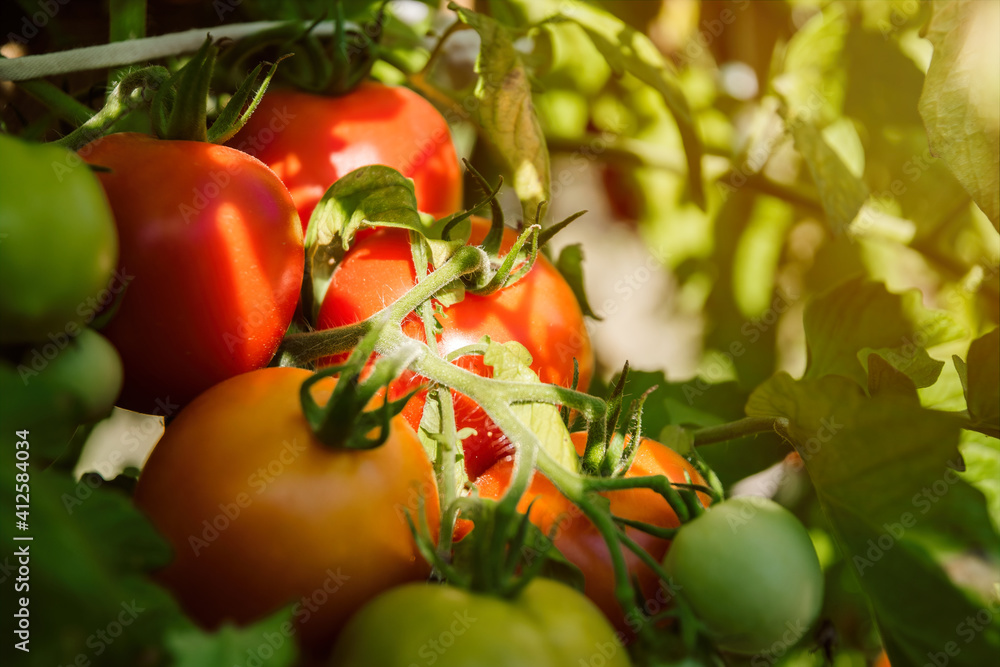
point(190, 257)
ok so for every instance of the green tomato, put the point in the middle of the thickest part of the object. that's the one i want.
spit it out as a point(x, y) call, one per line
point(58, 243)
point(548, 624)
point(750, 573)
point(56, 386)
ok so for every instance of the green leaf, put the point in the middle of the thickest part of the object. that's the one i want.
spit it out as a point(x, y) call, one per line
point(913, 362)
point(369, 196)
point(268, 643)
point(884, 378)
point(860, 314)
point(841, 192)
point(959, 103)
point(506, 113)
point(981, 382)
point(811, 79)
point(570, 265)
point(628, 50)
point(698, 403)
point(511, 362)
point(89, 552)
point(880, 467)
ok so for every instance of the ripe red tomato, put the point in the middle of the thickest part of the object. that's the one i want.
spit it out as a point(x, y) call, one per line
point(262, 514)
point(580, 542)
point(539, 311)
point(211, 254)
point(310, 141)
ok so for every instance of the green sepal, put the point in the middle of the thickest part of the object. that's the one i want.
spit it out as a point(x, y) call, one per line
point(570, 265)
point(344, 422)
point(234, 117)
point(186, 117)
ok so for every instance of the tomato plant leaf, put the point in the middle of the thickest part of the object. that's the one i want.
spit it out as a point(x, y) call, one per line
point(884, 378)
point(913, 362)
point(89, 552)
point(699, 403)
point(511, 362)
point(506, 113)
point(981, 383)
point(811, 79)
point(841, 192)
point(570, 265)
point(959, 101)
point(861, 314)
point(268, 643)
point(628, 50)
point(882, 471)
point(369, 196)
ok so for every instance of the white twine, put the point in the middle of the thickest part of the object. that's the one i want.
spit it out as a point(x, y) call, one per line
point(137, 50)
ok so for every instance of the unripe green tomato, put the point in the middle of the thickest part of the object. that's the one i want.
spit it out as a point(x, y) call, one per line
point(750, 573)
point(59, 384)
point(548, 624)
point(58, 243)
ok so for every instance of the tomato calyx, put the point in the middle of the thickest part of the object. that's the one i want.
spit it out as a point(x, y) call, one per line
point(343, 422)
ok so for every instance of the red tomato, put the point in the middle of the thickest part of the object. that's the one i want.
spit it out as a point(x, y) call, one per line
point(310, 141)
point(580, 542)
point(211, 261)
point(539, 311)
point(261, 514)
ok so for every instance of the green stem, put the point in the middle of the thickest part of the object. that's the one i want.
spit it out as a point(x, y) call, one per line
point(739, 429)
point(133, 91)
point(648, 528)
point(64, 106)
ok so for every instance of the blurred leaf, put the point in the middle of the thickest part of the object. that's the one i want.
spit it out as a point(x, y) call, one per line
point(960, 103)
point(883, 378)
point(881, 471)
point(267, 643)
point(570, 265)
point(841, 192)
point(511, 362)
point(506, 113)
point(981, 382)
point(749, 233)
point(861, 314)
point(90, 597)
point(981, 454)
point(913, 362)
point(627, 50)
point(812, 78)
point(365, 197)
point(698, 403)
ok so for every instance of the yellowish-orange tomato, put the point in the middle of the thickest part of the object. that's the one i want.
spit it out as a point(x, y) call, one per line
point(261, 514)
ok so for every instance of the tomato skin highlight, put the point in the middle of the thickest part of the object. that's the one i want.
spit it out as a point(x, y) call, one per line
point(539, 311)
point(261, 514)
point(548, 625)
point(577, 538)
point(211, 259)
point(59, 244)
point(748, 569)
point(310, 141)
